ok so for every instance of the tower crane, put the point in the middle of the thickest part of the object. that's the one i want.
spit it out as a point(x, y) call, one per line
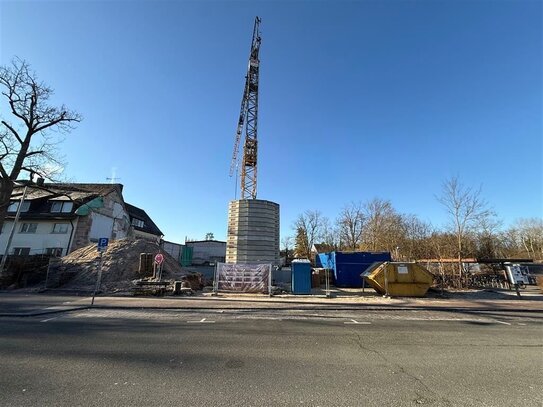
point(248, 119)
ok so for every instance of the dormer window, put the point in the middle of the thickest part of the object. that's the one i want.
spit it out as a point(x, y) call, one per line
point(61, 207)
point(137, 222)
point(15, 204)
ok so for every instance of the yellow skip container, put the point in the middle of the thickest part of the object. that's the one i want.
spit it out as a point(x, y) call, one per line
point(399, 279)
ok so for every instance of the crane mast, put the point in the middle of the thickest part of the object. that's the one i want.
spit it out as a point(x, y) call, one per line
point(248, 120)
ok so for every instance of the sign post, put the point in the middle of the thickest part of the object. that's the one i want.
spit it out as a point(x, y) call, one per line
point(102, 244)
point(102, 247)
point(514, 275)
point(159, 259)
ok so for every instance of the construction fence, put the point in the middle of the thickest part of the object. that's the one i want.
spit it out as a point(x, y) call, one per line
point(243, 278)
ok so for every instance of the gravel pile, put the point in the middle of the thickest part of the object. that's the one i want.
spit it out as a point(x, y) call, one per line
point(120, 265)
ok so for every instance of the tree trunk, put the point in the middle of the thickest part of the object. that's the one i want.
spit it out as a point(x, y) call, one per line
point(460, 273)
point(6, 188)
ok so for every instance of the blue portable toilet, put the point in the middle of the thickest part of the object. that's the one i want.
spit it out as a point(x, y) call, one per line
point(301, 276)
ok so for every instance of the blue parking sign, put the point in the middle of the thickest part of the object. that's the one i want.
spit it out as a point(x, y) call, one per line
point(102, 243)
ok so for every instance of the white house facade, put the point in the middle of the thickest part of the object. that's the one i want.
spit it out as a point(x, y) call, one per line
point(56, 219)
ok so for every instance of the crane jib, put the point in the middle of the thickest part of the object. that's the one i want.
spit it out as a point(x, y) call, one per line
point(248, 120)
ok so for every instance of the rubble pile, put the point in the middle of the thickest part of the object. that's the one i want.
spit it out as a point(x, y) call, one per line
point(120, 266)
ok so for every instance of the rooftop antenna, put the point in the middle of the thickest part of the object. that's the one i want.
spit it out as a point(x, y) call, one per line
point(113, 179)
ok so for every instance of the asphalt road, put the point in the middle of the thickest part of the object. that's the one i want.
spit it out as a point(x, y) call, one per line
point(252, 358)
point(33, 303)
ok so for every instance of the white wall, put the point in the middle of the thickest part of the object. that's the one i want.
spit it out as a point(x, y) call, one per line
point(102, 226)
point(39, 241)
point(121, 223)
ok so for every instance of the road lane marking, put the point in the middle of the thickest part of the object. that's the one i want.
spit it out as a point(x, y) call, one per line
point(353, 322)
point(202, 321)
point(49, 319)
point(479, 321)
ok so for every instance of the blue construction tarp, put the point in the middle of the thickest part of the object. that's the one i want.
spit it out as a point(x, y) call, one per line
point(347, 266)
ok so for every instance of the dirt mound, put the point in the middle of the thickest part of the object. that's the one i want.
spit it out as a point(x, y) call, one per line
point(120, 266)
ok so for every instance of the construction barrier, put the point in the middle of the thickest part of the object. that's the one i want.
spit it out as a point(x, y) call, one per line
point(244, 278)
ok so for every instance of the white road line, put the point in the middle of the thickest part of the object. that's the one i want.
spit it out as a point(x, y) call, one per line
point(353, 322)
point(481, 321)
point(50, 319)
point(202, 321)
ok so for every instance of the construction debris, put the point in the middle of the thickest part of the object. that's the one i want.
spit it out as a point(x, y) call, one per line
point(120, 266)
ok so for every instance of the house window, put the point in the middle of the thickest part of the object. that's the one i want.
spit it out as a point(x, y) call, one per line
point(15, 204)
point(61, 206)
point(60, 228)
point(29, 227)
point(137, 222)
point(54, 251)
point(21, 251)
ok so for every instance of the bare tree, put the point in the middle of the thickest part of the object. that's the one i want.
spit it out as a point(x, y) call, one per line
point(383, 226)
point(26, 141)
point(465, 209)
point(508, 243)
point(351, 225)
point(442, 245)
point(530, 236)
point(287, 245)
point(329, 234)
point(308, 228)
point(487, 236)
point(414, 243)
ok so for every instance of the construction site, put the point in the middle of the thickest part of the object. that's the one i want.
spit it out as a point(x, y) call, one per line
point(137, 261)
point(337, 204)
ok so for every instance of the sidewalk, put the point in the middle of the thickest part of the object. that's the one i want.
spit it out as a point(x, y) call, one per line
point(373, 302)
point(32, 304)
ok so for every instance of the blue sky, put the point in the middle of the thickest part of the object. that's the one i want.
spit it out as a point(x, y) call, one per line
point(358, 100)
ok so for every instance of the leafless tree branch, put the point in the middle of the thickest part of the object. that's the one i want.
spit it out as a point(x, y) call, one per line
point(27, 141)
point(13, 131)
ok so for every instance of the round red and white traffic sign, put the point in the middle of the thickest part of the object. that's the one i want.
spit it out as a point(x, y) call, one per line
point(159, 258)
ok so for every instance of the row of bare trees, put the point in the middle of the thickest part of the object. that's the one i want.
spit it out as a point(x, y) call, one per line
point(473, 230)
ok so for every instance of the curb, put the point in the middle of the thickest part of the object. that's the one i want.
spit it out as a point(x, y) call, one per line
point(38, 313)
point(324, 308)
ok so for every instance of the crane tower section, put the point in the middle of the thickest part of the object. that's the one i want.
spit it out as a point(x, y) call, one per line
point(248, 122)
